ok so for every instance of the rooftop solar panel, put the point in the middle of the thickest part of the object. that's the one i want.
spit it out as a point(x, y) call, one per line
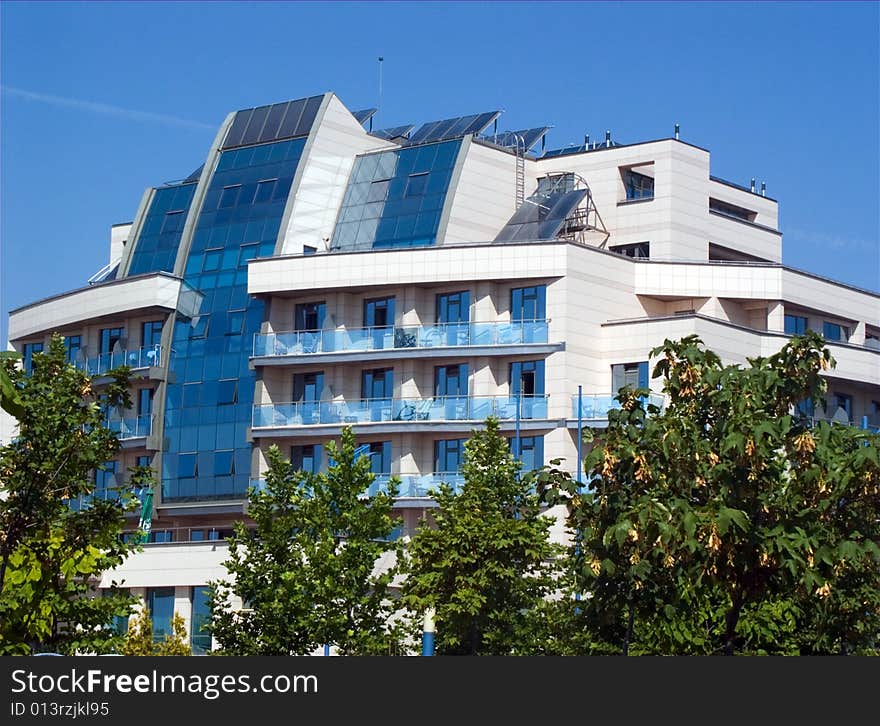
point(541, 216)
point(364, 115)
point(452, 128)
point(394, 132)
point(272, 123)
point(509, 139)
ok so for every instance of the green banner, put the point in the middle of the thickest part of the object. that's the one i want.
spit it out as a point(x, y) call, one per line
point(146, 520)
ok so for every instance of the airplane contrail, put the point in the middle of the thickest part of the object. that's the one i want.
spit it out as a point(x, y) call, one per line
point(104, 108)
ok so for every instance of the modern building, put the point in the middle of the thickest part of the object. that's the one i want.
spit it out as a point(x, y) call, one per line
point(315, 273)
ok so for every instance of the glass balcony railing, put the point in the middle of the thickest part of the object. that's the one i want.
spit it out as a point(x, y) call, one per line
point(130, 428)
point(366, 410)
point(595, 407)
point(411, 485)
point(389, 338)
point(140, 358)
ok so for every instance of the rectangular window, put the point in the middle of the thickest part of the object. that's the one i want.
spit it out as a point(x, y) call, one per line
point(638, 250)
point(378, 190)
point(416, 184)
point(160, 605)
point(631, 375)
point(841, 407)
point(308, 387)
point(308, 458)
point(448, 455)
point(105, 480)
point(143, 461)
point(531, 451)
point(119, 624)
point(451, 380)
point(235, 322)
point(229, 196)
point(379, 312)
point(200, 639)
point(223, 463)
point(111, 339)
point(638, 186)
point(72, 346)
point(161, 536)
point(309, 316)
point(151, 333)
point(454, 307)
point(264, 190)
point(28, 350)
point(227, 391)
point(795, 325)
point(380, 456)
point(145, 401)
point(834, 331)
point(731, 210)
point(528, 303)
point(527, 378)
point(377, 383)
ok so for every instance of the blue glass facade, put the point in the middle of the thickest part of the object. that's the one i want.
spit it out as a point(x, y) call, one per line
point(208, 404)
point(159, 238)
point(395, 198)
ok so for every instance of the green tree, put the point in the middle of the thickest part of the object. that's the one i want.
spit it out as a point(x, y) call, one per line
point(486, 561)
point(306, 572)
point(726, 524)
point(50, 553)
point(139, 637)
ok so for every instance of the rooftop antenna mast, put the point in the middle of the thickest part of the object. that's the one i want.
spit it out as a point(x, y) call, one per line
point(379, 110)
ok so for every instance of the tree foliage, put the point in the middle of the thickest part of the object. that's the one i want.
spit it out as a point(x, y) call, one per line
point(726, 524)
point(306, 572)
point(50, 553)
point(139, 637)
point(486, 562)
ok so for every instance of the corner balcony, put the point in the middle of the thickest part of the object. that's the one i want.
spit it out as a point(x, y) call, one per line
point(142, 361)
point(388, 415)
point(132, 432)
point(420, 341)
point(594, 407)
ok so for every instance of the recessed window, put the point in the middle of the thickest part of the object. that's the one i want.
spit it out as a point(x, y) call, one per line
point(795, 324)
point(264, 190)
point(637, 185)
point(378, 190)
point(641, 250)
point(227, 391)
point(732, 210)
point(416, 184)
point(229, 196)
point(72, 345)
point(835, 331)
point(309, 316)
point(631, 375)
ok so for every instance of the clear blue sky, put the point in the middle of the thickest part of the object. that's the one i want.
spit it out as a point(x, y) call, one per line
point(101, 100)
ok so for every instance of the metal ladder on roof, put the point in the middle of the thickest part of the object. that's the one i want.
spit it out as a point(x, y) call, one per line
point(519, 151)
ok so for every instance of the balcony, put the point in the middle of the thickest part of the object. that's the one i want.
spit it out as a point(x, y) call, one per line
point(595, 407)
point(397, 412)
point(139, 359)
point(492, 338)
point(131, 430)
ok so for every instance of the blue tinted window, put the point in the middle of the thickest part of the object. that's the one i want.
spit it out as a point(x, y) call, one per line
point(638, 186)
point(531, 452)
point(527, 378)
point(27, 352)
point(110, 337)
point(377, 383)
point(394, 198)
point(451, 380)
point(212, 381)
point(309, 316)
point(834, 331)
point(528, 303)
point(448, 455)
point(151, 333)
point(160, 603)
point(72, 345)
point(159, 237)
point(379, 312)
point(453, 307)
point(795, 324)
point(200, 639)
point(309, 458)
